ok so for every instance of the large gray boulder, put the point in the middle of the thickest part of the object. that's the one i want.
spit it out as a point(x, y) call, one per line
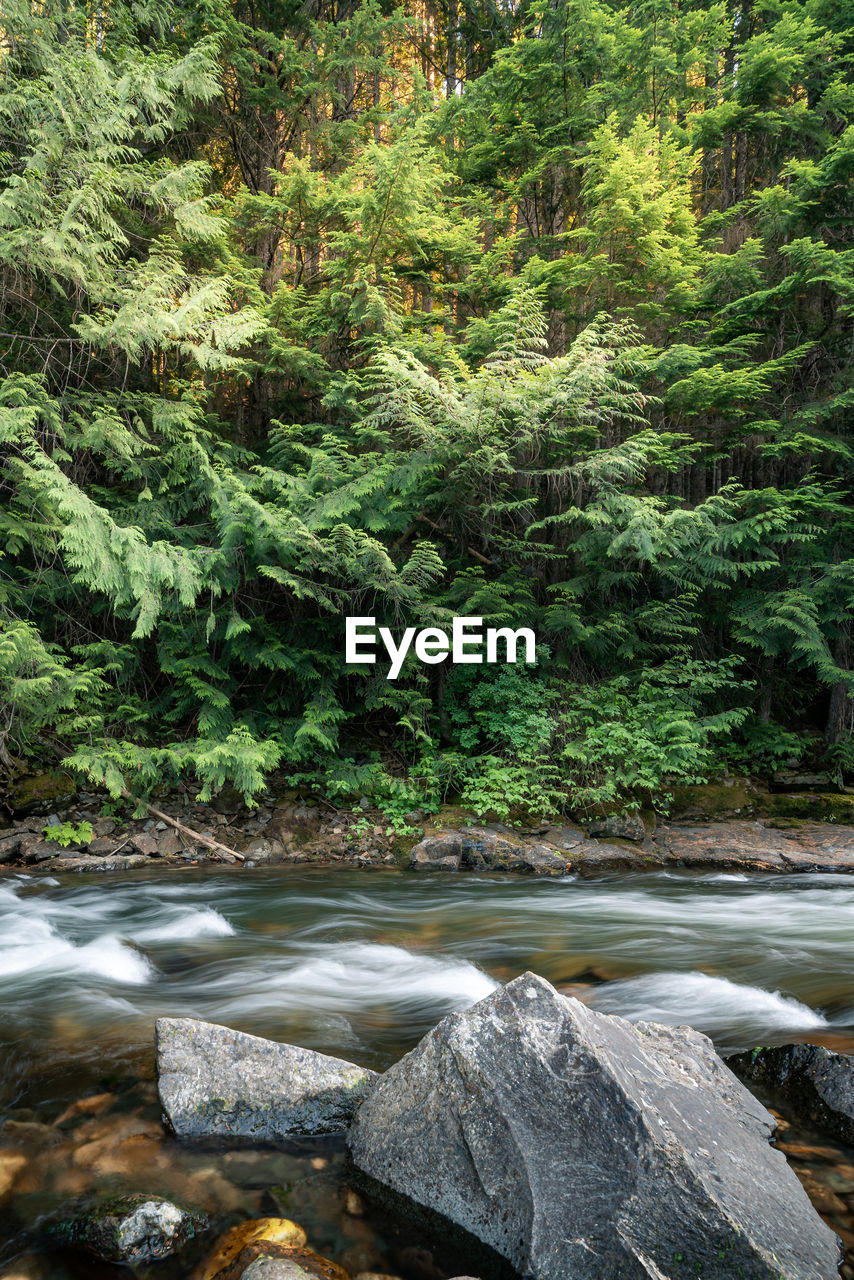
point(214, 1082)
point(577, 1145)
point(817, 1083)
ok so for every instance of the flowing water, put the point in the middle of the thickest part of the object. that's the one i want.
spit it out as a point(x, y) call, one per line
point(358, 964)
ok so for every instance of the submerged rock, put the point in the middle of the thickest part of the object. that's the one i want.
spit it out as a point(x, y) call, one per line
point(575, 1144)
point(267, 1249)
point(273, 1262)
point(215, 1082)
point(11, 1164)
point(817, 1082)
point(280, 1232)
point(133, 1229)
point(269, 1268)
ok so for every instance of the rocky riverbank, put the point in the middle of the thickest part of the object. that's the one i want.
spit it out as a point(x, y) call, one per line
point(738, 824)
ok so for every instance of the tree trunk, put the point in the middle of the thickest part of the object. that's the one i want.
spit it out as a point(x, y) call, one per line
point(840, 714)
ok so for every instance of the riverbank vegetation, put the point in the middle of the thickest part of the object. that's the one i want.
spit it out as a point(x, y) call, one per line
point(540, 313)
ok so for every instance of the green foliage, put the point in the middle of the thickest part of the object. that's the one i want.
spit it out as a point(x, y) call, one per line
point(67, 833)
point(541, 314)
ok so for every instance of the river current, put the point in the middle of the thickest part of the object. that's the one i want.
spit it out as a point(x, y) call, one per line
point(358, 964)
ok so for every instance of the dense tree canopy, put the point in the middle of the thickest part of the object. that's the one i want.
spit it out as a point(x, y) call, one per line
point(539, 312)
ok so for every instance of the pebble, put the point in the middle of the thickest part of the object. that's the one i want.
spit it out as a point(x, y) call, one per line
point(823, 1199)
point(92, 1106)
point(11, 1164)
point(353, 1203)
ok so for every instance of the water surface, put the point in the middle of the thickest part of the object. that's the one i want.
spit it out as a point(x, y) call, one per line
point(360, 964)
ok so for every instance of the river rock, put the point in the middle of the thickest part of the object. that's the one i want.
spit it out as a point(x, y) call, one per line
point(267, 1249)
point(475, 850)
point(41, 850)
point(272, 1262)
point(266, 1233)
point(115, 862)
point(263, 849)
point(215, 1082)
point(619, 826)
point(754, 846)
point(791, 780)
point(102, 846)
point(575, 1144)
point(818, 1083)
point(169, 843)
point(144, 842)
point(437, 853)
point(10, 846)
point(133, 1229)
point(268, 1268)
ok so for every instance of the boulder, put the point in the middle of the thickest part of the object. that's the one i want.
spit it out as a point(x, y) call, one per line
point(132, 1229)
point(753, 846)
point(40, 850)
point(214, 1082)
point(816, 1082)
point(169, 844)
point(482, 850)
point(619, 826)
point(792, 780)
point(575, 1144)
point(144, 842)
point(263, 849)
point(437, 853)
point(10, 847)
point(115, 862)
point(102, 846)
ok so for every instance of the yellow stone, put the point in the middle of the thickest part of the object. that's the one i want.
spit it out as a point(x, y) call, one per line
point(11, 1164)
point(279, 1231)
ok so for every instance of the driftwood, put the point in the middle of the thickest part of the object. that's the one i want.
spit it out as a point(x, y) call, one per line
point(195, 836)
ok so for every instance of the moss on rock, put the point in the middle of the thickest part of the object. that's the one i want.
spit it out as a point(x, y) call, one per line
point(41, 793)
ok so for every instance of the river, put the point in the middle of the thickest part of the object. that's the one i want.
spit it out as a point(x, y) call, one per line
point(358, 964)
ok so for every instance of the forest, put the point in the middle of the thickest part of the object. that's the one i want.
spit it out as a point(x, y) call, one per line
point(538, 311)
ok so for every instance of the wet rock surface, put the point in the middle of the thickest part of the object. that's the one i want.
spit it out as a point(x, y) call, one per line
point(575, 1144)
point(266, 1267)
point(267, 1249)
point(133, 1229)
point(817, 1083)
point(736, 845)
point(215, 1082)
